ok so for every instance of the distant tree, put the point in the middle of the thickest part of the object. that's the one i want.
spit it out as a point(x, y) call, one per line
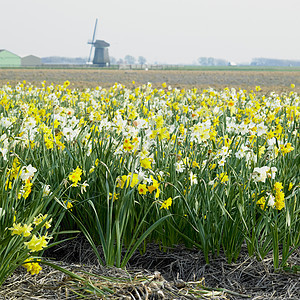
point(120, 61)
point(211, 61)
point(221, 62)
point(113, 61)
point(130, 60)
point(272, 62)
point(202, 61)
point(63, 60)
point(142, 60)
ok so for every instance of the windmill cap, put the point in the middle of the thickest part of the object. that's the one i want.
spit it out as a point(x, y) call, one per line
point(101, 44)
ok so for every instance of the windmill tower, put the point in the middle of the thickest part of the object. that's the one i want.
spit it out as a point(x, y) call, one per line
point(101, 57)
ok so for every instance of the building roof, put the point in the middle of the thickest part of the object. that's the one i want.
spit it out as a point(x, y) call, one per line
point(1, 50)
point(101, 44)
point(32, 56)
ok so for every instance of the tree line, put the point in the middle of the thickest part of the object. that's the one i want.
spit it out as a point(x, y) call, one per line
point(128, 60)
point(141, 60)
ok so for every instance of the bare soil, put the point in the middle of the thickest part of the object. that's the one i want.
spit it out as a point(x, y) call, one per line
point(84, 78)
point(177, 273)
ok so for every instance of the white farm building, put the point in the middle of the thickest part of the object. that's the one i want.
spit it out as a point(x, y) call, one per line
point(30, 61)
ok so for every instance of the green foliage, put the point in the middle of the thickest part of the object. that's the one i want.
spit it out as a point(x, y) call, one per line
point(212, 170)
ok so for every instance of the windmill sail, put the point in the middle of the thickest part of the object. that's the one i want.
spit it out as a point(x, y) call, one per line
point(93, 41)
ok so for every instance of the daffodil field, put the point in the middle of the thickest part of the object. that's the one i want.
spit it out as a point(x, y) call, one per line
point(209, 169)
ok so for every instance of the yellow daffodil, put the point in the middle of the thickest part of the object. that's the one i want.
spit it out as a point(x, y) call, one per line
point(166, 204)
point(75, 176)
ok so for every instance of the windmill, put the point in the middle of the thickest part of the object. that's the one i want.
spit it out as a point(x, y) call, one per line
point(101, 57)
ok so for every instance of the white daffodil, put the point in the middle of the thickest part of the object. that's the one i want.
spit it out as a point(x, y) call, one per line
point(27, 172)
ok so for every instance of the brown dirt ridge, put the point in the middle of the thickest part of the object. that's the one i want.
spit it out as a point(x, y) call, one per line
point(176, 273)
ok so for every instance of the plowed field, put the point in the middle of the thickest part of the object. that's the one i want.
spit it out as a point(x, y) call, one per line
point(82, 78)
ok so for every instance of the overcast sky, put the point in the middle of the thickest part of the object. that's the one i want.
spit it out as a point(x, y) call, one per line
point(166, 31)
